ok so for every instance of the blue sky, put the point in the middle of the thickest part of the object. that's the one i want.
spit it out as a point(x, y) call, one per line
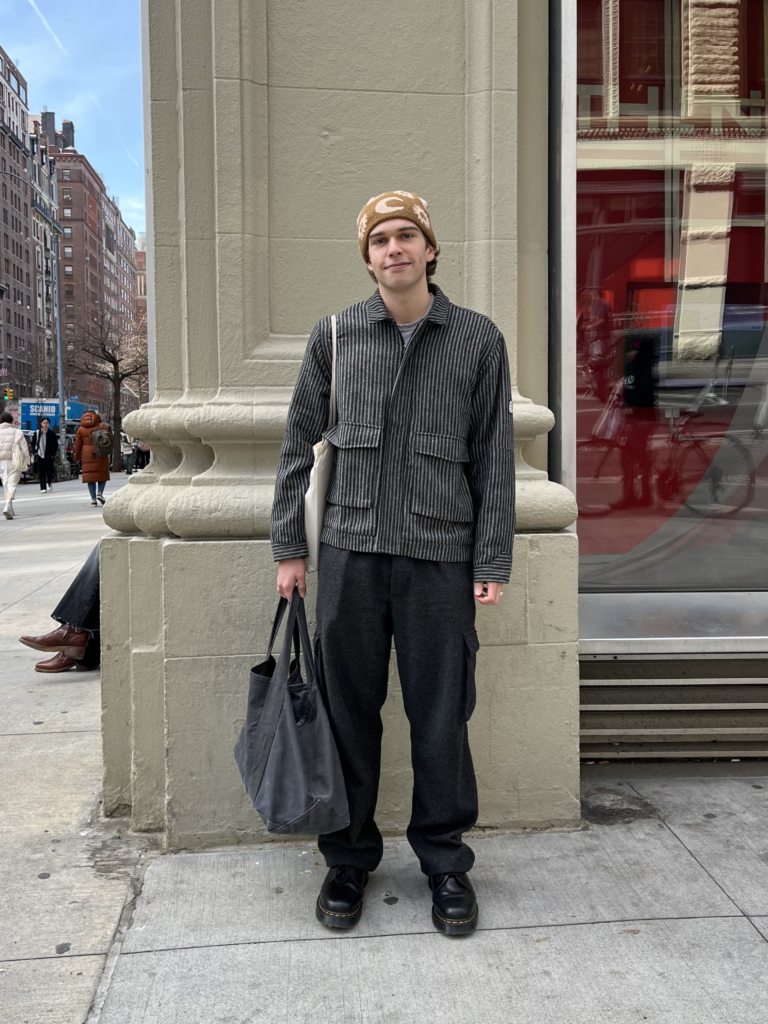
point(86, 66)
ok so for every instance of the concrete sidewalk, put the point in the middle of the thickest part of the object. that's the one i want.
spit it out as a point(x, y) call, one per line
point(656, 910)
point(66, 873)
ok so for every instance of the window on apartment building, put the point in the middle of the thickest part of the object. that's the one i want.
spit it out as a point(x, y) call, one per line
point(67, 211)
point(70, 328)
point(66, 193)
point(69, 291)
point(68, 271)
point(67, 250)
point(66, 174)
point(67, 232)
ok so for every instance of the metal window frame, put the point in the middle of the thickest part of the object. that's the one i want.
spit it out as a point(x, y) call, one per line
point(562, 241)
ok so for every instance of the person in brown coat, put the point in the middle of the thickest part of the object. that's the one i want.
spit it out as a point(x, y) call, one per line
point(94, 468)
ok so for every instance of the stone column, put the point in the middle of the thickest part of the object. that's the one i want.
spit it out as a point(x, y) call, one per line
point(264, 145)
point(492, 243)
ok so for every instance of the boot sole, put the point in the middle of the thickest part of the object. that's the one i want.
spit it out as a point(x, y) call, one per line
point(454, 927)
point(331, 920)
point(55, 671)
point(75, 653)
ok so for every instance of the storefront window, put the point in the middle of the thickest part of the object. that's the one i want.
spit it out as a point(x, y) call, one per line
point(672, 346)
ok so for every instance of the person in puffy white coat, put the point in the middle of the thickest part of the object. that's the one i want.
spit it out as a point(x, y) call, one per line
point(12, 442)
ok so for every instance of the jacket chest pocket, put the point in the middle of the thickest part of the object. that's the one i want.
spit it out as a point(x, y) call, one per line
point(440, 484)
point(355, 479)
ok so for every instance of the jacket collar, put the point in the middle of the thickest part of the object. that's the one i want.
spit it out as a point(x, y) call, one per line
point(376, 310)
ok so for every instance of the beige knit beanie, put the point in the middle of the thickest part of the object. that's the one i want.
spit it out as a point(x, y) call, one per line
point(390, 205)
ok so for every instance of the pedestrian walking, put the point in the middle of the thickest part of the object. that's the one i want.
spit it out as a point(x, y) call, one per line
point(418, 526)
point(75, 642)
point(126, 450)
point(142, 456)
point(95, 467)
point(45, 444)
point(14, 460)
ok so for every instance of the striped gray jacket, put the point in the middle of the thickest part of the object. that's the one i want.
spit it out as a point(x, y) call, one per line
point(424, 456)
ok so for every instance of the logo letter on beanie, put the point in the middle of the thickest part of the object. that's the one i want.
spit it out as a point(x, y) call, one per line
point(385, 205)
point(421, 213)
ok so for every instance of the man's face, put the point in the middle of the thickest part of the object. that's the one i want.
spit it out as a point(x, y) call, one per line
point(45, 424)
point(398, 254)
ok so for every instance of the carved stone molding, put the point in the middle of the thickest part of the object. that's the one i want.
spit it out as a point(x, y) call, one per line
point(541, 504)
point(233, 496)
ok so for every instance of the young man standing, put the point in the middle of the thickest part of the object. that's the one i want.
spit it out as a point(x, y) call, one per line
point(418, 526)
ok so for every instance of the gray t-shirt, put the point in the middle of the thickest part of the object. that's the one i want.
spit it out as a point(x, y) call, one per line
point(408, 330)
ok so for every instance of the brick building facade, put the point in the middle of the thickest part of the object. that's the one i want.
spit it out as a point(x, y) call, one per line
point(81, 195)
point(45, 228)
point(17, 285)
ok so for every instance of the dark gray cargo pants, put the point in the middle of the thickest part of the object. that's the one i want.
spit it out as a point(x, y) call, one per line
point(363, 600)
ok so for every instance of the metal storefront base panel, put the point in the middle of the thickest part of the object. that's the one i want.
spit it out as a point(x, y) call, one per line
point(683, 623)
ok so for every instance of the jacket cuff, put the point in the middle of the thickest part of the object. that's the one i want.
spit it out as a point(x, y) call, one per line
point(281, 551)
point(497, 571)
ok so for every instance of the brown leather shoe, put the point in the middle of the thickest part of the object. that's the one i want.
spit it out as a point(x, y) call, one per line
point(58, 663)
point(66, 639)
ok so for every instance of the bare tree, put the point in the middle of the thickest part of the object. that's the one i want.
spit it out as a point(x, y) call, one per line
point(100, 347)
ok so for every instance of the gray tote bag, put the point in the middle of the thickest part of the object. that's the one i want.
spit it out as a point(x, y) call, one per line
point(286, 752)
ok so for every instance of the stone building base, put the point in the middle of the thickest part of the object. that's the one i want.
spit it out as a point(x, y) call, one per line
point(184, 621)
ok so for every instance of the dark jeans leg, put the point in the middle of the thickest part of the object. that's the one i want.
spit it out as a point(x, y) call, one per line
point(355, 640)
point(80, 604)
point(433, 613)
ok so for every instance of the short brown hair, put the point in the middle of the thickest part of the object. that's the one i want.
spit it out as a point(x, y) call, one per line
point(6, 417)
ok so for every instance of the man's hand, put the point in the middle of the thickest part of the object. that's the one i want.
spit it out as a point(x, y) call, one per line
point(486, 593)
point(291, 573)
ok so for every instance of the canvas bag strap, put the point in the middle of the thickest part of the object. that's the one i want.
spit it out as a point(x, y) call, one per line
point(280, 612)
point(276, 693)
point(332, 404)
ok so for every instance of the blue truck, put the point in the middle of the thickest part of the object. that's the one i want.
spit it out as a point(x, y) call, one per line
point(32, 410)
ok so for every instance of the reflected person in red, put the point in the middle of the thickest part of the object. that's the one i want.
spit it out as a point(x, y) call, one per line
point(597, 339)
point(639, 421)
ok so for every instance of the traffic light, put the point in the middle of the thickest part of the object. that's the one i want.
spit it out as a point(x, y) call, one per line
point(8, 394)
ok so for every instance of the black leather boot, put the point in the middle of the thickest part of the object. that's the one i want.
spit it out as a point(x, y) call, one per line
point(454, 904)
point(340, 902)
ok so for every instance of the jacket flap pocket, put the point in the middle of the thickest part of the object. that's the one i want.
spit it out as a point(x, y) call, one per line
point(354, 435)
point(452, 449)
